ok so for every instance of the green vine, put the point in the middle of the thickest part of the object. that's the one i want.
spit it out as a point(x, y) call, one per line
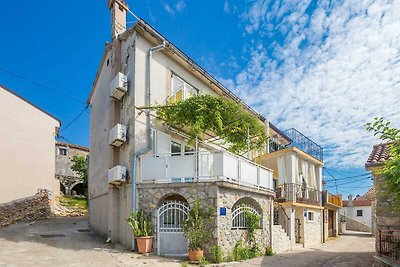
point(204, 114)
point(391, 168)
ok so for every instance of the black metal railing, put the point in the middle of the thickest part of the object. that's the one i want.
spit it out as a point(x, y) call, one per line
point(304, 143)
point(298, 193)
point(389, 243)
point(281, 218)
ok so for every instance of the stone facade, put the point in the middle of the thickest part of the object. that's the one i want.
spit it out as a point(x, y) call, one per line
point(67, 177)
point(28, 209)
point(217, 195)
point(313, 229)
point(280, 240)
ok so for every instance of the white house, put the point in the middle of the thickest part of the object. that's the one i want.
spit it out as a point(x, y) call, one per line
point(358, 209)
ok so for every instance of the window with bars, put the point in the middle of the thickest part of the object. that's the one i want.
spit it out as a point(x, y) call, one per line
point(239, 216)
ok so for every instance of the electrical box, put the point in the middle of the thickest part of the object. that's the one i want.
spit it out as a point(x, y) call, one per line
point(117, 175)
point(117, 135)
point(119, 86)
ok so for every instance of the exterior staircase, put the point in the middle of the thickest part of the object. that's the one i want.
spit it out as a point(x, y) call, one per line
point(280, 230)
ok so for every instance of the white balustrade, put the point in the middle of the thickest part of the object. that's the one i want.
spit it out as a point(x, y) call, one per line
point(204, 166)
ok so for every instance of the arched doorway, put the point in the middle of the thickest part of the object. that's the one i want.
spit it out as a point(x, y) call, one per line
point(62, 189)
point(79, 189)
point(172, 212)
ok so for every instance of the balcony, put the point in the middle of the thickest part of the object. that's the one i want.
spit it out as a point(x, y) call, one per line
point(297, 193)
point(204, 166)
point(305, 144)
point(330, 199)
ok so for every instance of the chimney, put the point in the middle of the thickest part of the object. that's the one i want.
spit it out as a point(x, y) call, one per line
point(350, 199)
point(118, 17)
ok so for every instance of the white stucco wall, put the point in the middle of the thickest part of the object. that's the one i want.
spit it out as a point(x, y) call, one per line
point(109, 208)
point(352, 213)
point(26, 149)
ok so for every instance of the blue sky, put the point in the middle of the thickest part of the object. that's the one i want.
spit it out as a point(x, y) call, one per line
point(323, 68)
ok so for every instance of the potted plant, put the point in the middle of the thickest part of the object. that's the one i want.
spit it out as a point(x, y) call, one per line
point(196, 229)
point(142, 230)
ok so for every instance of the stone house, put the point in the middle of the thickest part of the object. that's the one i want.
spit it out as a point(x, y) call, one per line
point(27, 148)
point(137, 162)
point(70, 182)
point(385, 216)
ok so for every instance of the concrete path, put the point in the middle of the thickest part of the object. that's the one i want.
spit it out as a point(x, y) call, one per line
point(69, 242)
point(352, 249)
point(66, 242)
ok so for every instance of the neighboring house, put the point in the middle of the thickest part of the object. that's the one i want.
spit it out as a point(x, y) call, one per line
point(332, 204)
point(137, 162)
point(386, 217)
point(358, 209)
point(70, 182)
point(297, 170)
point(26, 148)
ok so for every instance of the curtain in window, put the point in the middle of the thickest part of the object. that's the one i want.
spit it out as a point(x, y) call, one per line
point(282, 173)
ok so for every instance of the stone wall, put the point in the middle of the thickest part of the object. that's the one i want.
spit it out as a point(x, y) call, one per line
point(228, 237)
point(32, 208)
point(280, 240)
point(313, 229)
point(216, 195)
point(354, 225)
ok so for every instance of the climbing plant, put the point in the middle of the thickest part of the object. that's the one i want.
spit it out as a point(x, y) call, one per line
point(391, 168)
point(204, 114)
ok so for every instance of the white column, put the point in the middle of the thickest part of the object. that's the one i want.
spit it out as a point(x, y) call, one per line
point(291, 214)
point(319, 177)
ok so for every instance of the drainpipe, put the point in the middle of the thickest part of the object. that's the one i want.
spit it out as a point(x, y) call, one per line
point(148, 125)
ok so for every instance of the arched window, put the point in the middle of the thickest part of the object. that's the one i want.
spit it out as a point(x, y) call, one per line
point(241, 208)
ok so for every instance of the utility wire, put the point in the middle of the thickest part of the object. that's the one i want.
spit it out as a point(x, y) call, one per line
point(41, 86)
point(334, 179)
point(75, 119)
point(358, 180)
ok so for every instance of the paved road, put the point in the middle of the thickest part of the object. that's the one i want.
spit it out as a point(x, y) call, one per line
point(66, 242)
point(352, 249)
point(69, 242)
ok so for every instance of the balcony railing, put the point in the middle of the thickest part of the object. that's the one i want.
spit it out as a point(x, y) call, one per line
point(298, 193)
point(204, 166)
point(304, 143)
point(389, 244)
point(328, 198)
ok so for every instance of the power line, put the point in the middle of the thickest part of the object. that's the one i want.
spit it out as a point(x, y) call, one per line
point(41, 86)
point(75, 119)
point(349, 177)
point(358, 180)
point(334, 179)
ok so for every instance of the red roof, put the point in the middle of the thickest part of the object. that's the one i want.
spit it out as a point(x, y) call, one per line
point(379, 154)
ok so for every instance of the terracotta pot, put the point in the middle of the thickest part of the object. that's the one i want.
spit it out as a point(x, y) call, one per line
point(195, 255)
point(144, 244)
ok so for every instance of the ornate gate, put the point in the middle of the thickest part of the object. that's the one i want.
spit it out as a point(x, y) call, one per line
point(171, 240)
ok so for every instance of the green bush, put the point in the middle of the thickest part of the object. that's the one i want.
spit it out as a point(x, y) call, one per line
point(218, 256)
point(269, 252)
point(140, 224)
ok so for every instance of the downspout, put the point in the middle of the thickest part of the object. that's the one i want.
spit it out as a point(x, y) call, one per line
point(148, 125)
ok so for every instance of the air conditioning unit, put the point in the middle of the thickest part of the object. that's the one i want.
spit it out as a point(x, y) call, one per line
point(119, 86)
point(117, 135)
point(117, 175)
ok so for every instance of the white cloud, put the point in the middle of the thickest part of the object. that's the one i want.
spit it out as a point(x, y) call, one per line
point(178, 7)
point(328, 73)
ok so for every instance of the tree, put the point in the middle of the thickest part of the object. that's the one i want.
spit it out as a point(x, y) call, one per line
point(80, 166)
point(391, 168)
point(201, 115)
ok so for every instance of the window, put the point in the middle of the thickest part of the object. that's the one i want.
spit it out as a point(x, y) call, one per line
point(181, 90)
point(189, 150)
point(62, 151)
point(176, 148)
point(359, 213)
point(310, 216)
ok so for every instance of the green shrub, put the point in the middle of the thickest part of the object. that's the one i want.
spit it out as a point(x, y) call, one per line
point(218, 256)
point(269, 252)
point(203, 262)
point(140, 224)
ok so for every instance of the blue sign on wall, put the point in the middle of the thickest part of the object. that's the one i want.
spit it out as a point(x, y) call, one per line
point(222, 211)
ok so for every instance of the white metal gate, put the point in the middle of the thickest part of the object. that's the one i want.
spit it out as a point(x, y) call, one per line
point(171, 240)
